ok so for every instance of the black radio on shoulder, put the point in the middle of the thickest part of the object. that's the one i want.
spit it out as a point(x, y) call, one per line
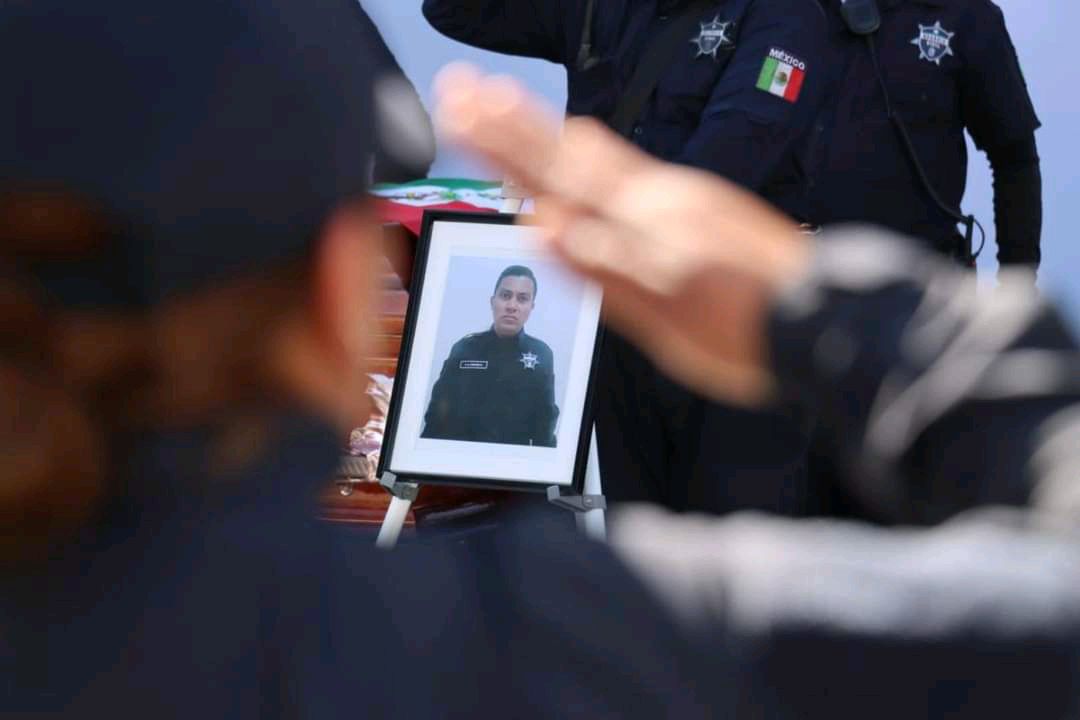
point(862, 17)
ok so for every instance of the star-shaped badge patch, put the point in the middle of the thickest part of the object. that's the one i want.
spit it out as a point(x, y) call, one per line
point(529, 360)
point(712, 37)
point(934, 42)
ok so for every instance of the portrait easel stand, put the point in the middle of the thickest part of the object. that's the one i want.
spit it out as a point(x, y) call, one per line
point(588, 507)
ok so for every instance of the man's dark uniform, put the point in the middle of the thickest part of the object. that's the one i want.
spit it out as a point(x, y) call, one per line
point(495, 389)
point(657, 440)
point(949, 66)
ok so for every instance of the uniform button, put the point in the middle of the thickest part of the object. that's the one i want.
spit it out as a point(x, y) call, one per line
point(638, 130)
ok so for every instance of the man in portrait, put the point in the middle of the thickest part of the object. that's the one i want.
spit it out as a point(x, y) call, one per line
point(498, 385)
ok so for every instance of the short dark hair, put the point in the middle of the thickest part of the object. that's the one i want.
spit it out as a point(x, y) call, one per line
point(516, 271)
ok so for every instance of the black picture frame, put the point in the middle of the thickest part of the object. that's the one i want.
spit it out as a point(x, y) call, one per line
point(401, 378)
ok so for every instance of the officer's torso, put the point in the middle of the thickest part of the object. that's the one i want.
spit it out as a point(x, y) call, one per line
point(622, 31)
point(498, 385)
point(193, 594)
point(861, 172)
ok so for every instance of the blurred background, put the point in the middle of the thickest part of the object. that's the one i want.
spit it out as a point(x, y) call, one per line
point(1041, 29)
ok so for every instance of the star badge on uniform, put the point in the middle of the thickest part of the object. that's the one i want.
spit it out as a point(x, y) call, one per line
point(712, 37)
point(934, 42)
point(529, 360)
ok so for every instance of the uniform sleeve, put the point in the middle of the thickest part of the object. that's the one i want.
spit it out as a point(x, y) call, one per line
point(995, 104)
point(935, 397)
point(533, 28)
point(1017, 203)
point(746, 128)
point(997, 110)
point(437, 419)
point(846, 620)
point(544, 429)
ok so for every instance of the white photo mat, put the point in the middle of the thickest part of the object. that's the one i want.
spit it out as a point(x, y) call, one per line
point(542, 466)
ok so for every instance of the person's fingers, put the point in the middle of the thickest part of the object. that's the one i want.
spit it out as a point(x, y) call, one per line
point(670, 316)
point(648, 324)
point(495, 118)
point(663, 241)
point(455, 89)
point(592, 166)
point(604, 250)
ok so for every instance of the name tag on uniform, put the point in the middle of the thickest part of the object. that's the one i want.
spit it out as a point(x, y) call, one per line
point(473, 365)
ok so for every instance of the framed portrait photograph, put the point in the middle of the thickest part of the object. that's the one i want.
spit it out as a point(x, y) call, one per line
point(494, 378)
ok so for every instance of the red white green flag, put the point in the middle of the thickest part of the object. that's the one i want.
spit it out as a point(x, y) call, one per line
point(405, 202)
point(782, 75)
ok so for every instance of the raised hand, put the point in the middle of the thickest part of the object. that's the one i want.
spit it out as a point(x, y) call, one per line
point(689, 262)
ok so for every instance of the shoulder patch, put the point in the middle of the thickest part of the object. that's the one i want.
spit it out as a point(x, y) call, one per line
point(782, 75)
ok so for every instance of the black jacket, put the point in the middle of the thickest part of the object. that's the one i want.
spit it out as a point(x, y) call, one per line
point(493, 389)
point(949, 67)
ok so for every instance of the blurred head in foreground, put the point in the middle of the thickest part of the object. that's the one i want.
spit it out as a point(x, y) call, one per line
point(183, 240)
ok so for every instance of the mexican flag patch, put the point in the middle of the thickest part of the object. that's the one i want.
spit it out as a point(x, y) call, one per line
point(782, 75)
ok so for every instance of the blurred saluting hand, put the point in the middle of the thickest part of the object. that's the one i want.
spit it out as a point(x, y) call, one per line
point(689, 263)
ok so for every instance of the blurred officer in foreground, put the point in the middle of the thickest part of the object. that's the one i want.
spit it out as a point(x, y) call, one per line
point(729, 86)
point(187, 289)
point(182, 334)
point(498, 385)
point(910, 76)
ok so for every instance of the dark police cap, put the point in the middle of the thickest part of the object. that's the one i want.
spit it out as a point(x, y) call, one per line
point(217, 134)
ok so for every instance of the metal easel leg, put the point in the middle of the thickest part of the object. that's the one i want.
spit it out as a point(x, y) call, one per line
point(403, 495)
point(593, 522)
point(590, 505)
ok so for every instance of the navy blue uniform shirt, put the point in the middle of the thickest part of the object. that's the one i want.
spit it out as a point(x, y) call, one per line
point(702, 113)
point(495, 389)
point(949, 66)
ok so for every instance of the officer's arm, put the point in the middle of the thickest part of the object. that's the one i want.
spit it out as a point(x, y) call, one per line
point(548, 411)
point(533, 28)
point(845, 620)
point(998, 113)
point(745, 131)
point(1017, 202)
point(935, 397)
point(437, 420)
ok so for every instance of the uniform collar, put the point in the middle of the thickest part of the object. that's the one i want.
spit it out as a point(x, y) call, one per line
point(886, 5)
point(513, 338)
point(890, 4)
